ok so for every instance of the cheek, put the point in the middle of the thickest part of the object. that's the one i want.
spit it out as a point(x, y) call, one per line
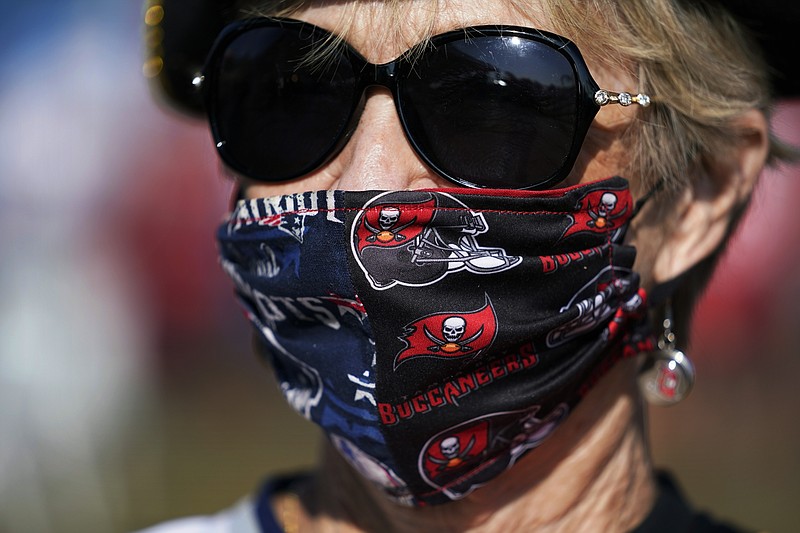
point(258, 189)
point(606, 150)
point(603, 155)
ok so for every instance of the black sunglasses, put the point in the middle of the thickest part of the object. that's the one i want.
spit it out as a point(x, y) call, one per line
point(485, 106)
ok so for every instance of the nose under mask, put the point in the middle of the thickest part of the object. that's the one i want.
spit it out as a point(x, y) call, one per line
point(437, 336)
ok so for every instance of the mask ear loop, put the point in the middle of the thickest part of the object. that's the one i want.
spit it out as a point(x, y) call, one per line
point(661, 293)
point(620, 235)
point(655, 189)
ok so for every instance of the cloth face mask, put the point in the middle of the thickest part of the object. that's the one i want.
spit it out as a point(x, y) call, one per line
point(438, 335)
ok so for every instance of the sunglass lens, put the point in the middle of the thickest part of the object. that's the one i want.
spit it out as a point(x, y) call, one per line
point(493, 111)
point(280, 106)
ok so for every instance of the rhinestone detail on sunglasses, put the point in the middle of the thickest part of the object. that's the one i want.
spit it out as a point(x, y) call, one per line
point(603, 98)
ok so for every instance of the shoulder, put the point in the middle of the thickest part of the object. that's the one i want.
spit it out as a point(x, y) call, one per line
point(251, 515)
point(240, 518)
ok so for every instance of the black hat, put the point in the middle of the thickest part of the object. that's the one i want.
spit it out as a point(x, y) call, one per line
point(773, 24)
point(178, 36)
point(180, 33)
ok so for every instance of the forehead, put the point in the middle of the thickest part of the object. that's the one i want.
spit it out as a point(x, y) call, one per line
point(383, 30)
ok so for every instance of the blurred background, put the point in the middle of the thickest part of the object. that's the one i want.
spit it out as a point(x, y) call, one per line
point(128, 390)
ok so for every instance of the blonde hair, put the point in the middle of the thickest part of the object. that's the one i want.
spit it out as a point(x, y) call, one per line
point(696, 60)
point(704, 70)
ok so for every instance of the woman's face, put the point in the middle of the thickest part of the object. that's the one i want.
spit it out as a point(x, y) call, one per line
point(378, 156)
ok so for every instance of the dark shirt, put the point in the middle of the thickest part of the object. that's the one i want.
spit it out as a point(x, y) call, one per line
point(672, 514)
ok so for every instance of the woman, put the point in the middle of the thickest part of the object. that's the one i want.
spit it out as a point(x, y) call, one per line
point(476, 313)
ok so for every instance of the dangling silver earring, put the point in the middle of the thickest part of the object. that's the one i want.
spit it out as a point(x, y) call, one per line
point(667, 375)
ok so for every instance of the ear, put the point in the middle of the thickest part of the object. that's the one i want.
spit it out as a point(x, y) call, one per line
point(706, 209)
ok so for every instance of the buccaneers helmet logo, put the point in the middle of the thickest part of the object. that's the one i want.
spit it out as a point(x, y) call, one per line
point(594, 303)
point(416, 238)
point(464, 457)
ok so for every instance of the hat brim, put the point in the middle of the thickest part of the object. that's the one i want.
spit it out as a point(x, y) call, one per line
point(178, 40)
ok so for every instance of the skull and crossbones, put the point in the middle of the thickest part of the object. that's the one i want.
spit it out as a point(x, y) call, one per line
point(601, 217)
point(450, 448)
point(453, 330)
point(388, 230)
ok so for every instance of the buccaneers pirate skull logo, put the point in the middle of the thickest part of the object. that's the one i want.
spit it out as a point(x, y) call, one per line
point(416, 238)
point(449, 335)
point(600, 211)
point(448, 456)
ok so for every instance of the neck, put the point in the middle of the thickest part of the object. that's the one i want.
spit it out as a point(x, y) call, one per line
point(593, 470)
